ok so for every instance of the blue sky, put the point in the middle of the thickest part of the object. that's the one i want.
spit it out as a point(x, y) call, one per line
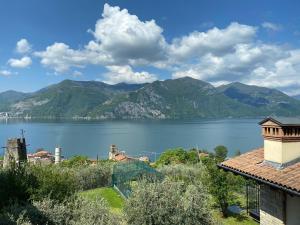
point(134, 41)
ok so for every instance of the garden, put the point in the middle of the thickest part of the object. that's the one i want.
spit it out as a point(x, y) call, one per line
point(190, 190)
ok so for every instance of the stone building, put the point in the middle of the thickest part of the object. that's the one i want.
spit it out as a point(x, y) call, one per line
point(274, 199)
point(15, 151)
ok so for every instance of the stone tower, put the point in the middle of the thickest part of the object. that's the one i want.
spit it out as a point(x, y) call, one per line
point(112, 152)
point(15, 151)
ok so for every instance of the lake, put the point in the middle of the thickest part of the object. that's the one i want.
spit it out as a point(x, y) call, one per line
point(136, 138)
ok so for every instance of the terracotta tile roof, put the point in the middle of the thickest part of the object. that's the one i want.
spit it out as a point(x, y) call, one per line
point(251, 164)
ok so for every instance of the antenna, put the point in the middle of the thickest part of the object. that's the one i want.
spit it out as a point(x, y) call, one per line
point(22, 133)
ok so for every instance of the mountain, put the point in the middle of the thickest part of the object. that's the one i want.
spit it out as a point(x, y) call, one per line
point(178, 98)
point(9, 97)
point(265, 100)
point(69, 99)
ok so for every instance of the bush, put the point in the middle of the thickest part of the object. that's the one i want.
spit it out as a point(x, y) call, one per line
point(77, 160)
point(54, 182)
point(16, 185)
point(75, 211)
point(93, 176)
point(189, 174)
point(220, 153)
point(168, 203)
point(178, 156)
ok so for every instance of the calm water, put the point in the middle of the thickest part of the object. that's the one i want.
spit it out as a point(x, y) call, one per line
point(135, 137)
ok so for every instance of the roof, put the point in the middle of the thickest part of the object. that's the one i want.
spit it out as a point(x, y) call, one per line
point(251, 165)
point(283, 121)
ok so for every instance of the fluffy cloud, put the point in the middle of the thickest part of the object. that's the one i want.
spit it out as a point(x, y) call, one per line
point(61, 57)
point(271, 26)
point(23, 46)
point(234, 65)
point(5, 73)
point(217, 41)
point(119, 74)
point(125, 37)
point(120, 39)
point(20, 63)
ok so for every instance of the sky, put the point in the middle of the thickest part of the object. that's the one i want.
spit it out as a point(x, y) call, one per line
point(256, 42)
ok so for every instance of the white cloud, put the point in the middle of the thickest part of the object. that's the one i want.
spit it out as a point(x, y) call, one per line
point(125, 37)
point(119, 74)
point(23, 46)
point(271, 26)
point(5, 73)
point(120, 39)
point(215, 40)
point(61, 57)
point(20, 63)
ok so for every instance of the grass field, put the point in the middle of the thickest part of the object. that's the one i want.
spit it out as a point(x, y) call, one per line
point(113, 198)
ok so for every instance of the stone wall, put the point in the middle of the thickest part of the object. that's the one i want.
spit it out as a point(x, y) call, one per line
point(15, 151)
point(272, 206)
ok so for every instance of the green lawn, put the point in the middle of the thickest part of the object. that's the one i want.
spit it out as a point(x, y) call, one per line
point(235, 219)
point(113, 198)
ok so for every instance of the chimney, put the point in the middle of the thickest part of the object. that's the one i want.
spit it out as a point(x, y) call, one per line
point(57, 155)
point(281, 141)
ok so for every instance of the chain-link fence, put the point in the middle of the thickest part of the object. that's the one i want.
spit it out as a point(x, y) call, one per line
point(125, 174)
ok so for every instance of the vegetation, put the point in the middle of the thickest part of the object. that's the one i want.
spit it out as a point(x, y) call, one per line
point(178, 155)
point(193, 191)
point(168, 203)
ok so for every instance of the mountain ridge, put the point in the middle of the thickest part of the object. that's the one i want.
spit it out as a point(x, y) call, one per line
point(169, 99)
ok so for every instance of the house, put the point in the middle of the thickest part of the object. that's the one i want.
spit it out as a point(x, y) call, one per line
point(275, 171)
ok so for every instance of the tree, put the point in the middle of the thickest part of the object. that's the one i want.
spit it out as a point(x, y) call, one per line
point(220, 153)
point(220, 188)
point(75, 161)
point(168, 203)
point(177, 156)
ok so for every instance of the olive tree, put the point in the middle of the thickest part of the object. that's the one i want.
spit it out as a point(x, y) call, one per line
point(168, 203)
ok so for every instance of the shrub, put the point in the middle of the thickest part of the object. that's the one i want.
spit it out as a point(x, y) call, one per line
point(177, 156)
point(93, 176)
point(189, 174)
point(17, 184)
point(75, 211)
point(168, 203)
point(77, 160)
point(220, 153)
point(54, 182)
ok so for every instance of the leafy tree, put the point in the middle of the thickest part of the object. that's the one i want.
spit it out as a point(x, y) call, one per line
point(53, 182)
point(76, 161)
point(177, 156)
point(220, 188)
point(220, 153)
point(168, 203)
